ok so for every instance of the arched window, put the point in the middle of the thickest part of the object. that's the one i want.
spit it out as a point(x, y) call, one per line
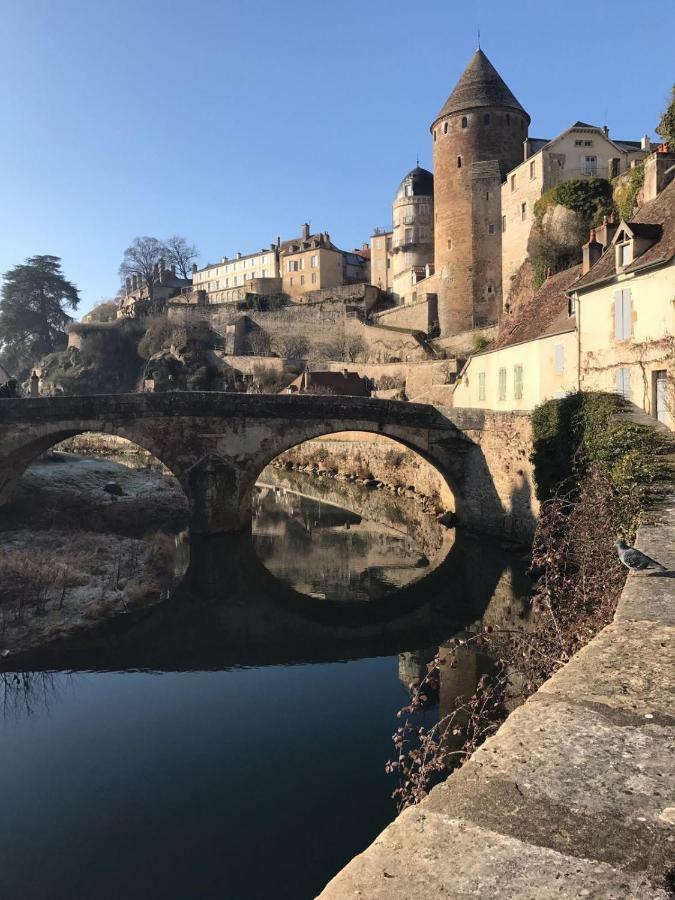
point(465, 122)
point(486, 118)
point(445, 128)
point(459, 162)
point(434, 134)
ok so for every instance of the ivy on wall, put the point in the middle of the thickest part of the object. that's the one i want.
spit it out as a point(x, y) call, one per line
point(626, 189)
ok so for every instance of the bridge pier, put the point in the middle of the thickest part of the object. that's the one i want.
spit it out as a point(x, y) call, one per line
point(220, 496)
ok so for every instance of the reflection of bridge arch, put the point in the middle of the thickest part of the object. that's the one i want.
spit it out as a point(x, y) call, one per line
point(217, 444)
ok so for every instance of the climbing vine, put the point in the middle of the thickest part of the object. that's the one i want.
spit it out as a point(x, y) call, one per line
point(626, 188)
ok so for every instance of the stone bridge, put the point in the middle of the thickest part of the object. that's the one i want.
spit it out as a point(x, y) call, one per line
point(217, 444)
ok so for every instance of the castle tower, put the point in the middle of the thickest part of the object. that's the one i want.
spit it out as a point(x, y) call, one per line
point(478, 137)
point(412, 244)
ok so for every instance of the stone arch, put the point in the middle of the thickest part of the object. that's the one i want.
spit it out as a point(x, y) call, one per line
point(26, 452)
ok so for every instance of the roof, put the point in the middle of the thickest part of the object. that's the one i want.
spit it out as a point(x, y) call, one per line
point(480, 85)
point(317, 241)
point(625, 146)
point(343, 383)
point(420, 180)
point(655, 221)
point(546, 313)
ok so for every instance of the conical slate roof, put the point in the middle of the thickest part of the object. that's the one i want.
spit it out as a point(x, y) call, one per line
point(480, 85)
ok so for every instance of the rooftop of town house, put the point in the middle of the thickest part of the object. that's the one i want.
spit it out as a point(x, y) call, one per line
point(538, 144)
point(547, 313)
point(480, 85)
point(344, 383)
point(654, 221)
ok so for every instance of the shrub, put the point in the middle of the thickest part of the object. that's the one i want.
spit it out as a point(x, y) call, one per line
point(591, 198)
point(479, 342)
point(626, 189)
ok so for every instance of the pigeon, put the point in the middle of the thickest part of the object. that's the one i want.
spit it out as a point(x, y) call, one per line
point(637, 561)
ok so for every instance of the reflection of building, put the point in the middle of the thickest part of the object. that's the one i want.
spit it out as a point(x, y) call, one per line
point(412, 666)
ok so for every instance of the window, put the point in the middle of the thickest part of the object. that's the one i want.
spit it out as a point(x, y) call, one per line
point(465, 122)
point(459, 162)
point(513, 182)
point(486, 118)
point(487, 195)
point(227, 282)
point(559, 358)
point(623, 315)
point(523, 211)
point(445, 128)
point(503, 223)
point(589, 165)
point(235, 279)
point(508, 118)
point(302, 279)
point(502, 384)
point(571, 305)
point(314, 278)
point(252, 274)
point(517, 382)
point(625, 253)
point(408, 235)
point(578, 143)
point(532, 167)
point(489, 289)
point(491, 228)
point(292, 281)
point(434, 134)
point(449, 244)
point(481, 385)
point(623, 382)
point(264, 273)
point(588, 143)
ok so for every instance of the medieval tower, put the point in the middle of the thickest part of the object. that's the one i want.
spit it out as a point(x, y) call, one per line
point(477, 138)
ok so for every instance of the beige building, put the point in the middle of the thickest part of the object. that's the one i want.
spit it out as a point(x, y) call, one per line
point(313, 262)
point(625, 300)
point(380, 259)
point(412, 242)
point(136, 300)
point(231, 279)
point(582, 151)
point(534, 359)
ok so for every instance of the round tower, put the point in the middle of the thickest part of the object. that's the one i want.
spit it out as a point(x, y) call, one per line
point(477, 138)
point(412, 243)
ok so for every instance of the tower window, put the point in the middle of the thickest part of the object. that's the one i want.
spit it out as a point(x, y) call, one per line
point(449, 244)
point(508, 118)
point(523, 211)
point(491, 230)
point(465, 122)
point(434, 134)
point(487, 195)
point(445, 128)
point(503, 223)
point(486, 118)
point(459, 162)
point(513, 182)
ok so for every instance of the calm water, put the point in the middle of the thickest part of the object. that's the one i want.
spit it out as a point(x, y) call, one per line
point(232, 744)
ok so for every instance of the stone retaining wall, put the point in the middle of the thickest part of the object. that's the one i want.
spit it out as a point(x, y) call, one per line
point(574, 796)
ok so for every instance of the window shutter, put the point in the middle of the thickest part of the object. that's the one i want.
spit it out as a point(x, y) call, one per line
point(623, 382)
point(618, 315)
point(627, 315)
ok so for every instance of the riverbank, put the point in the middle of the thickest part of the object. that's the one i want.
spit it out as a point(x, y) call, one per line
point(573, 796)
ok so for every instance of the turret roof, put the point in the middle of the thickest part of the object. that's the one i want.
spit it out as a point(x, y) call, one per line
point(421, 182)
point(480, 85)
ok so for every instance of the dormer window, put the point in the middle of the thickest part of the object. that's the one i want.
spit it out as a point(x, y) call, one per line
point(632, 239)
point(624, 254)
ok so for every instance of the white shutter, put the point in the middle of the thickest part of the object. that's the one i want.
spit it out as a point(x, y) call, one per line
point(623, 382)
point(627, 315)
point(618, 315)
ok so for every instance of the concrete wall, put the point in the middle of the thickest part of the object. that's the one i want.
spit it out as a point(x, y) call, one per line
point(650, 348)
point(539, 361)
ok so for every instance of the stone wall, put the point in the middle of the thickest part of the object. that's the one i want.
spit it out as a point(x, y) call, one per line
point(416, 316)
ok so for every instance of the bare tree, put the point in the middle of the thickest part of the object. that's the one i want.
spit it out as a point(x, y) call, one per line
point(291, 345)
point(180, 254)
point(142, 258)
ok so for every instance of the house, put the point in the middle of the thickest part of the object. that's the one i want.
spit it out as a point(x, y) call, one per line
point(625, 300)
point(580, 152)
point(534, 357)
point(343, 383)
point(313, 262)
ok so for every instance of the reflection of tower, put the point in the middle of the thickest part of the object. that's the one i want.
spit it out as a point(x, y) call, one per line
point(412, 243)
point(412, 666)
point(478, 137)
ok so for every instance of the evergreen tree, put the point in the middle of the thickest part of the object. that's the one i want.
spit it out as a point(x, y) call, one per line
point(33, 305)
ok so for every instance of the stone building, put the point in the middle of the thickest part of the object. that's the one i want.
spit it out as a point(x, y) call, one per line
point(412, 241)
point(582, 151)
point(229, 280)
point(312, 262)
point(136, 298)
point(380, 259)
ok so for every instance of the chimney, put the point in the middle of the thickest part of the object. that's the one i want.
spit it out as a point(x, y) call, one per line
point(278, 242)
point(238, 254)
point(605, 232)
point(305, 231)
point(527, 149)
point(605, 131)
point(194, 268)
point(592, 251)
point(327, 237)
point(645, 143)
point(659, 172)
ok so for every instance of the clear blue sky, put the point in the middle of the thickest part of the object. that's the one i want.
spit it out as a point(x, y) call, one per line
point(232, 122)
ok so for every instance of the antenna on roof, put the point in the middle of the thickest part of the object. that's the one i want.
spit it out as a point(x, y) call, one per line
point(479, 37)
point(418, 159)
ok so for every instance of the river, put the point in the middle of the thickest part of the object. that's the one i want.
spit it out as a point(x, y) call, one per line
point(232, 742)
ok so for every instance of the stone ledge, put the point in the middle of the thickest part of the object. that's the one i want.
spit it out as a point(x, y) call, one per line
point(574, 796)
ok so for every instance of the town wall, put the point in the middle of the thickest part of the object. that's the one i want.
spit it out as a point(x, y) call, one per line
point(417, 316)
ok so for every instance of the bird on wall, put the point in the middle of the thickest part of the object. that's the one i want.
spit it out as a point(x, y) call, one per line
point(636, 561)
